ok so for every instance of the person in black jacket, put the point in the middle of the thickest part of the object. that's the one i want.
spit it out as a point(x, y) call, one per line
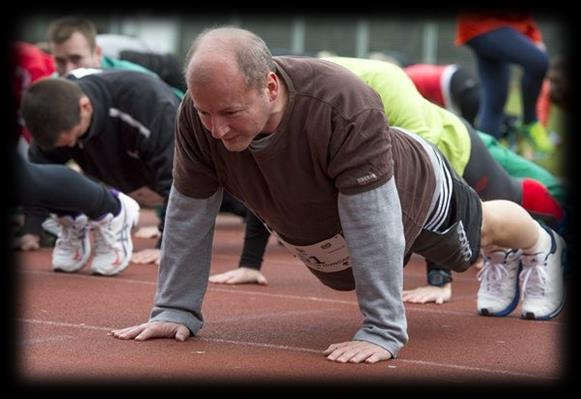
point(166, 66)
point(118, 126)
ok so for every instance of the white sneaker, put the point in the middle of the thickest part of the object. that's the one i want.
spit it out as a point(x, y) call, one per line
point(51, 226)
point(73, 245)
point(542, 281)
point(498, 294)
point(113, 243)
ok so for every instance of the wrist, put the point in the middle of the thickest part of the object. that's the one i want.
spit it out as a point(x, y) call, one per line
point(439, 277)
point(253, 267)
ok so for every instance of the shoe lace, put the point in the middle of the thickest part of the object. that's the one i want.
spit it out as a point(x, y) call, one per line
point(534, 276)
point(497, 268)
point(71, 233)
point(494, 275)
point(104, 236)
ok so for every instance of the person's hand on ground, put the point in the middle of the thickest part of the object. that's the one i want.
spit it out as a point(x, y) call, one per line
point(428, 293)
point(150, 255)
point(356, 352)
point(148, 232)
point(153, 329)
point(27, 242)
point(241, 275)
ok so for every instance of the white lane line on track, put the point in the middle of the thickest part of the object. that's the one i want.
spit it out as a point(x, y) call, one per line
point(236, 290)
point(270, 316)
point(36, 341)
point(306, 350)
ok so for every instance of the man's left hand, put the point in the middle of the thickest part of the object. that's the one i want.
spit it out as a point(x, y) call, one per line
point(356, 352)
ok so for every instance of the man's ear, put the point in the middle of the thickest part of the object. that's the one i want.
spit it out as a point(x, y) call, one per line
point(272, 86)
point(85, 104)
point(99, 53)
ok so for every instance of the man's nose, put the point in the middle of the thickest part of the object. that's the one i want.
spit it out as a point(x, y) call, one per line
point(219, 128)
point(69, 66)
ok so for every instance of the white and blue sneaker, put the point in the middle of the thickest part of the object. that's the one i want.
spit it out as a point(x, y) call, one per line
point(542, 282)
point(73, 245)
point(498, 294)
point(113, 242)
point(51, 226)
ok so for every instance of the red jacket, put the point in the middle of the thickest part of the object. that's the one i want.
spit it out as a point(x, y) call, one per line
point(428, 80)
point(472, 25)
point(31, 64)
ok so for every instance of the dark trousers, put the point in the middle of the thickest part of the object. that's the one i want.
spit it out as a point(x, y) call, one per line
point(495, 51)
point(61, 190)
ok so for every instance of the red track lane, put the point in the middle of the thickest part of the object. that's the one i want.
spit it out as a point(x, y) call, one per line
point(259, 334)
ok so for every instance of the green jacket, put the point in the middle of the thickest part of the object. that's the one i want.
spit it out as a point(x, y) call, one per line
point(405, 107)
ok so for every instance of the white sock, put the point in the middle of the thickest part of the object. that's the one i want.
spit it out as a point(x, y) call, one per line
point(543, 243)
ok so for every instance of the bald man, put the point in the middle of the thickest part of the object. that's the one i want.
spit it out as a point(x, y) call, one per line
point(305, 145)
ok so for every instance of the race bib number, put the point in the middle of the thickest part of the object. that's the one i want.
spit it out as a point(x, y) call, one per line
point(327, 256)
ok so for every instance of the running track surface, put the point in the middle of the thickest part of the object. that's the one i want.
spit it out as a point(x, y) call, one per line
point(265, 334)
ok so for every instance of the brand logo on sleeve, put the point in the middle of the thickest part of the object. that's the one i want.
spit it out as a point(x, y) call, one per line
point(368, 178)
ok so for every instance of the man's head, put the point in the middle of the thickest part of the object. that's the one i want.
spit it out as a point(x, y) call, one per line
point(56, 112)
point(73, 44)
point(233, 85)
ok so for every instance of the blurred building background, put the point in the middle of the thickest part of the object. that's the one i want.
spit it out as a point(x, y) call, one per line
point(413, 40)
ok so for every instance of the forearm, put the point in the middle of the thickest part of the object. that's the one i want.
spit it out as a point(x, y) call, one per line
point(374, 233)
point(161, 224)
point(255, 241)
point(185, 259)
point(157, 153)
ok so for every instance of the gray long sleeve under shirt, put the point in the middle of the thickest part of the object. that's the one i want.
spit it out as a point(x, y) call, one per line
point(186, 253)
point(373, 230)
point(374, 234)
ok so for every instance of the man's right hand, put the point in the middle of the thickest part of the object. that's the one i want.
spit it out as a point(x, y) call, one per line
point(153, 329)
